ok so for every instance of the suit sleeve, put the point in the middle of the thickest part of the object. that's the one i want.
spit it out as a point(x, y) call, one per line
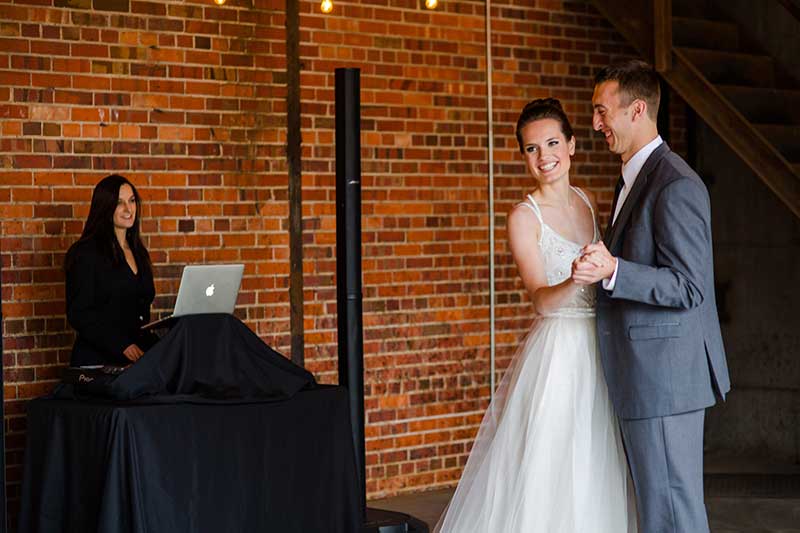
point(683, 250)
point(83, 312)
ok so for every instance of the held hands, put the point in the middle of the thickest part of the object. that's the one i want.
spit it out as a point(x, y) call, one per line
point(133, 352)
point(594, 264)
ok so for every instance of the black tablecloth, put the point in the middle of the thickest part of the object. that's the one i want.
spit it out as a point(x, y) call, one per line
point(212, 357)
point(217, 433)
point(254, 467)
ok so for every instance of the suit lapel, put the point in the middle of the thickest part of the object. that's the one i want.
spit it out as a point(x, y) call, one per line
point(613, 235)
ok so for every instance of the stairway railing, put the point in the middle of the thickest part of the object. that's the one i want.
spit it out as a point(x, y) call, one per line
point(792, 6)
point(648, 27)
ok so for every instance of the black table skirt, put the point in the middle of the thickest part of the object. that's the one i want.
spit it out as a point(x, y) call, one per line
point(285, 466)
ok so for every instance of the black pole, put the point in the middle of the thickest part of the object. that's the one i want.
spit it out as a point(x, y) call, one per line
point(348, 257)
point(348, 290)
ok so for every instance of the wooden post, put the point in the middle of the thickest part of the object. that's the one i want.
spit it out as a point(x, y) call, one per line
point(662, 34)
point(293, 147)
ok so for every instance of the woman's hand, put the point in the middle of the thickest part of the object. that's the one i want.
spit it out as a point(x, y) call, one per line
point(133, 352)
point(594, 264)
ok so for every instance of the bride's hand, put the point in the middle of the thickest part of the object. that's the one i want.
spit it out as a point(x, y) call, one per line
point(591, 258)
point(580, 267)
point(594, 264)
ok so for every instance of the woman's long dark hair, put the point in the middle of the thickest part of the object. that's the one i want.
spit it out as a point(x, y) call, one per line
point(99, 228)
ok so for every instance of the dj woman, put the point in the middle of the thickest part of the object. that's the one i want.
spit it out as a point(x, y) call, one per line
point(110, 280)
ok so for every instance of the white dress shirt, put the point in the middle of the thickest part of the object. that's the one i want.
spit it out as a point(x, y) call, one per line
point(630, 171)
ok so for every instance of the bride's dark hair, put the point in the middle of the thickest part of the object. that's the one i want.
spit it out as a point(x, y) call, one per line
point(542, 108)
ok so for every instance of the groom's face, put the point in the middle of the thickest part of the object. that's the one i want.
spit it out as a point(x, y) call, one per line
point(613, 119)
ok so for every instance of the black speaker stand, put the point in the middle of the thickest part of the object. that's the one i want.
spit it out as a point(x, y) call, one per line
point(381, 521)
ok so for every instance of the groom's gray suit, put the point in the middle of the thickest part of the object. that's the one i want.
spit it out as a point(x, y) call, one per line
point(660, 340)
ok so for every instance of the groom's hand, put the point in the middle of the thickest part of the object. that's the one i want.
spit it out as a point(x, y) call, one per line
point(594, 264)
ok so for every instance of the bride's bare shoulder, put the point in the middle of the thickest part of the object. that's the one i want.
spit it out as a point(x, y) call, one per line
point(522, 222)
point(591, 196)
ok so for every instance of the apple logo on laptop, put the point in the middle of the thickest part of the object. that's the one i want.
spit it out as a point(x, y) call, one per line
point(210, 290)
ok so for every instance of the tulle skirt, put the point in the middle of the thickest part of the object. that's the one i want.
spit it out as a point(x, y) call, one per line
point(548, 457)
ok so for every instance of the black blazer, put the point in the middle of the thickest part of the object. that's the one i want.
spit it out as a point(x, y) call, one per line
point(107, 305)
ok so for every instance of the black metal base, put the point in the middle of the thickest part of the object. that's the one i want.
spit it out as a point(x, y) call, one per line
point(381, 521)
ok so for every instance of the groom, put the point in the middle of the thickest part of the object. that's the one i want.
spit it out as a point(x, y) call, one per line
point(657, 324)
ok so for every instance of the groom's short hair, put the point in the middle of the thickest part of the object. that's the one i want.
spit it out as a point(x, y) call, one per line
point(637, 80)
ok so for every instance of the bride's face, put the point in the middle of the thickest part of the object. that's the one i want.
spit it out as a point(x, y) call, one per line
point(547, 152)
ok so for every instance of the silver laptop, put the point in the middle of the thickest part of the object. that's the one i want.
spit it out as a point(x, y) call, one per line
point(205, 289)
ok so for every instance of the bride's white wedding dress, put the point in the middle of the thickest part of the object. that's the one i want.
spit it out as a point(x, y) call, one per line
point(548, 457)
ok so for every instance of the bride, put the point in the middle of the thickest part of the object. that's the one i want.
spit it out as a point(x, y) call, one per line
point(548, 457)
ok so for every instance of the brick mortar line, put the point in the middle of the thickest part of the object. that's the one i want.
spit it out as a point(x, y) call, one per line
point(443, 416)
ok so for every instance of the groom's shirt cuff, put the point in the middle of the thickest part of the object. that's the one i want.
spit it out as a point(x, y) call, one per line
point(609, 284)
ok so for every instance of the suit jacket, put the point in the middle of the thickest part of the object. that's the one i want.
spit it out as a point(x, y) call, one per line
point(658, 329)
point(106, 304)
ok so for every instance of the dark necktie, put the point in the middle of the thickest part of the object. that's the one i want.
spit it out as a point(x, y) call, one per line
point(617, 189)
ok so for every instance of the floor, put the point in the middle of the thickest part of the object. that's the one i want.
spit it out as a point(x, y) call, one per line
point(727, 514)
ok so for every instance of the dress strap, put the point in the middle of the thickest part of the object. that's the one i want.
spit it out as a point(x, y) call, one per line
point(531, 203)
point(591, 210)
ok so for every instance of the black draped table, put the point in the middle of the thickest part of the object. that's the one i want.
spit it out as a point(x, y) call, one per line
point(192, 449)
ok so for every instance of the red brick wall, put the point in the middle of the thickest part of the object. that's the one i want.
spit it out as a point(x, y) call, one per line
point(187, 99)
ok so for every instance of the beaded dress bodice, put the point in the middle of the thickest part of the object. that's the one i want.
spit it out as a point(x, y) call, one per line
point(558, 254)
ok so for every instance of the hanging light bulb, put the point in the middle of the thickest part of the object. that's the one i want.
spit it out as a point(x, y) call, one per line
point(431, 4)
point(326, 6)
point(220, 2)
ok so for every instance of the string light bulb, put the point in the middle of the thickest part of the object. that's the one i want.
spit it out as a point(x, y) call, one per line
point(220, 2)
point(326, 6)
point(431, 4)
